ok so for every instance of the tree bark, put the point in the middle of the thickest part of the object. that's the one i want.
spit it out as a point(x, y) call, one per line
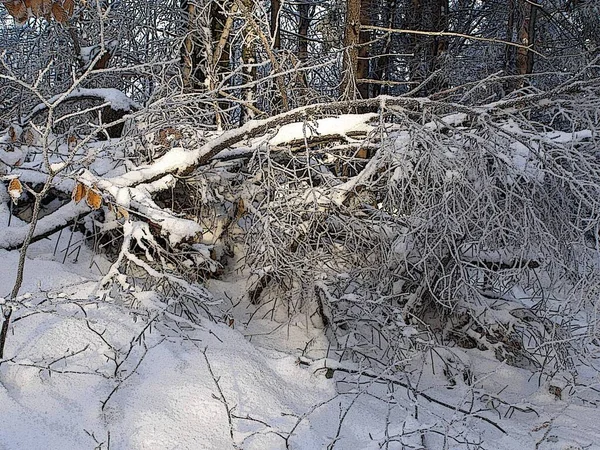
point(355, 65)
point(304, 20)
point(305, 11)
point(221, 24)
point(525, 58)
point(193, 71)
point(248, 69)
point(275, 23)
point(509, 50)
point(428, 15)
point(362, 65)
point(380, 73)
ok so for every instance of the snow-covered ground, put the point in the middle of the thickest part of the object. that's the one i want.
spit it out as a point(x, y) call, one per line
point(81, 372)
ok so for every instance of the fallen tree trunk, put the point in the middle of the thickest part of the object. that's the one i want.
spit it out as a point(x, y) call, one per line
point(13, 238)
point(180, 161)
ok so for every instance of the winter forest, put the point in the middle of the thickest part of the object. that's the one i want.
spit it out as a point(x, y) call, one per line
point(299, 224)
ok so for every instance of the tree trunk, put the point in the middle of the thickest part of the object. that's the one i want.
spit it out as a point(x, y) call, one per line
point(206, 56)
point(304, 20)
point(221, 24)
point(380, 73)
point(355, 65)
point(440, 43)
point(248, 69)
point(509, 50)
point(428, 15)
point(193, 70)
point(275, 23)
point(525, 58)
point(362, 65)
point(305, 11)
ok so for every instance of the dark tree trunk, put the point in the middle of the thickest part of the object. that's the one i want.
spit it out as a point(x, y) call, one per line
point(275, 31)
point(362, 65)
point(355, 64)
point(380, 73)
point(526, 35)
point(428, 15)
point(194, 64)
point(220, 27)
point(249, 69)
point(509, 50)
point(304, 20)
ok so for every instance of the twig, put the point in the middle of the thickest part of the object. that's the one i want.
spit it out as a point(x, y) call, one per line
point(336, 367)
point(221, 397)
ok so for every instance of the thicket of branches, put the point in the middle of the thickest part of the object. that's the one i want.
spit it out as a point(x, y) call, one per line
point(409, 174)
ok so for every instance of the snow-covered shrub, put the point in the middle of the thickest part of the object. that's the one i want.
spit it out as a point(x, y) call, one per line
point(478, 227)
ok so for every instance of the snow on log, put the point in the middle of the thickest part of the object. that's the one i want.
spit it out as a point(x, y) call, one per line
point(182, 161)
point(12, 238)
point(113, 107)
point(117, 100)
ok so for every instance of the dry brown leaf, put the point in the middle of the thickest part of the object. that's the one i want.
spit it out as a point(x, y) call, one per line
point(47, 9)
point(28, 136)
point(12, 134)
point(11, 5)
point(61, 10)
point(240, 209)
point(166, 136)
point(40, 8)
point(68, 6)
point(79, 192)
point(35, 6)
point(17, 9)
point(556, 391)
point(72, 142)
point(121, 213)
point(15, 189)
point(93, 199)
point(59, 14)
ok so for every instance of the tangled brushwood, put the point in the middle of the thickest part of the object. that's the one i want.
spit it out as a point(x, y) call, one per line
point(477, 228)
point(396, 223)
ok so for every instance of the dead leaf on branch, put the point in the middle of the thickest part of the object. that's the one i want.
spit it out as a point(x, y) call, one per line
point(39, 8)
point(93, 198)
point(80, 192)
point(28, 137)
point(13, 134)
point(118, 211)
point(17, 9)
point(21, 10)
point(59, 14)
point(72, 143)
point(15, 189)
point(121, 213)
point(69, 6)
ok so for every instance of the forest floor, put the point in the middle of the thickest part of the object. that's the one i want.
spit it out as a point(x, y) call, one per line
point(80, 372)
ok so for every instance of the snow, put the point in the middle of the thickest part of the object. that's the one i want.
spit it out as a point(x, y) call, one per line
point(85, 370)
point(80, 370)
point(329, 126)
point(117, 99)
point(168, 402)
point(13, 236)
point(57, 167)
point(125, 190)
point(176, 229)
point(11, 158)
